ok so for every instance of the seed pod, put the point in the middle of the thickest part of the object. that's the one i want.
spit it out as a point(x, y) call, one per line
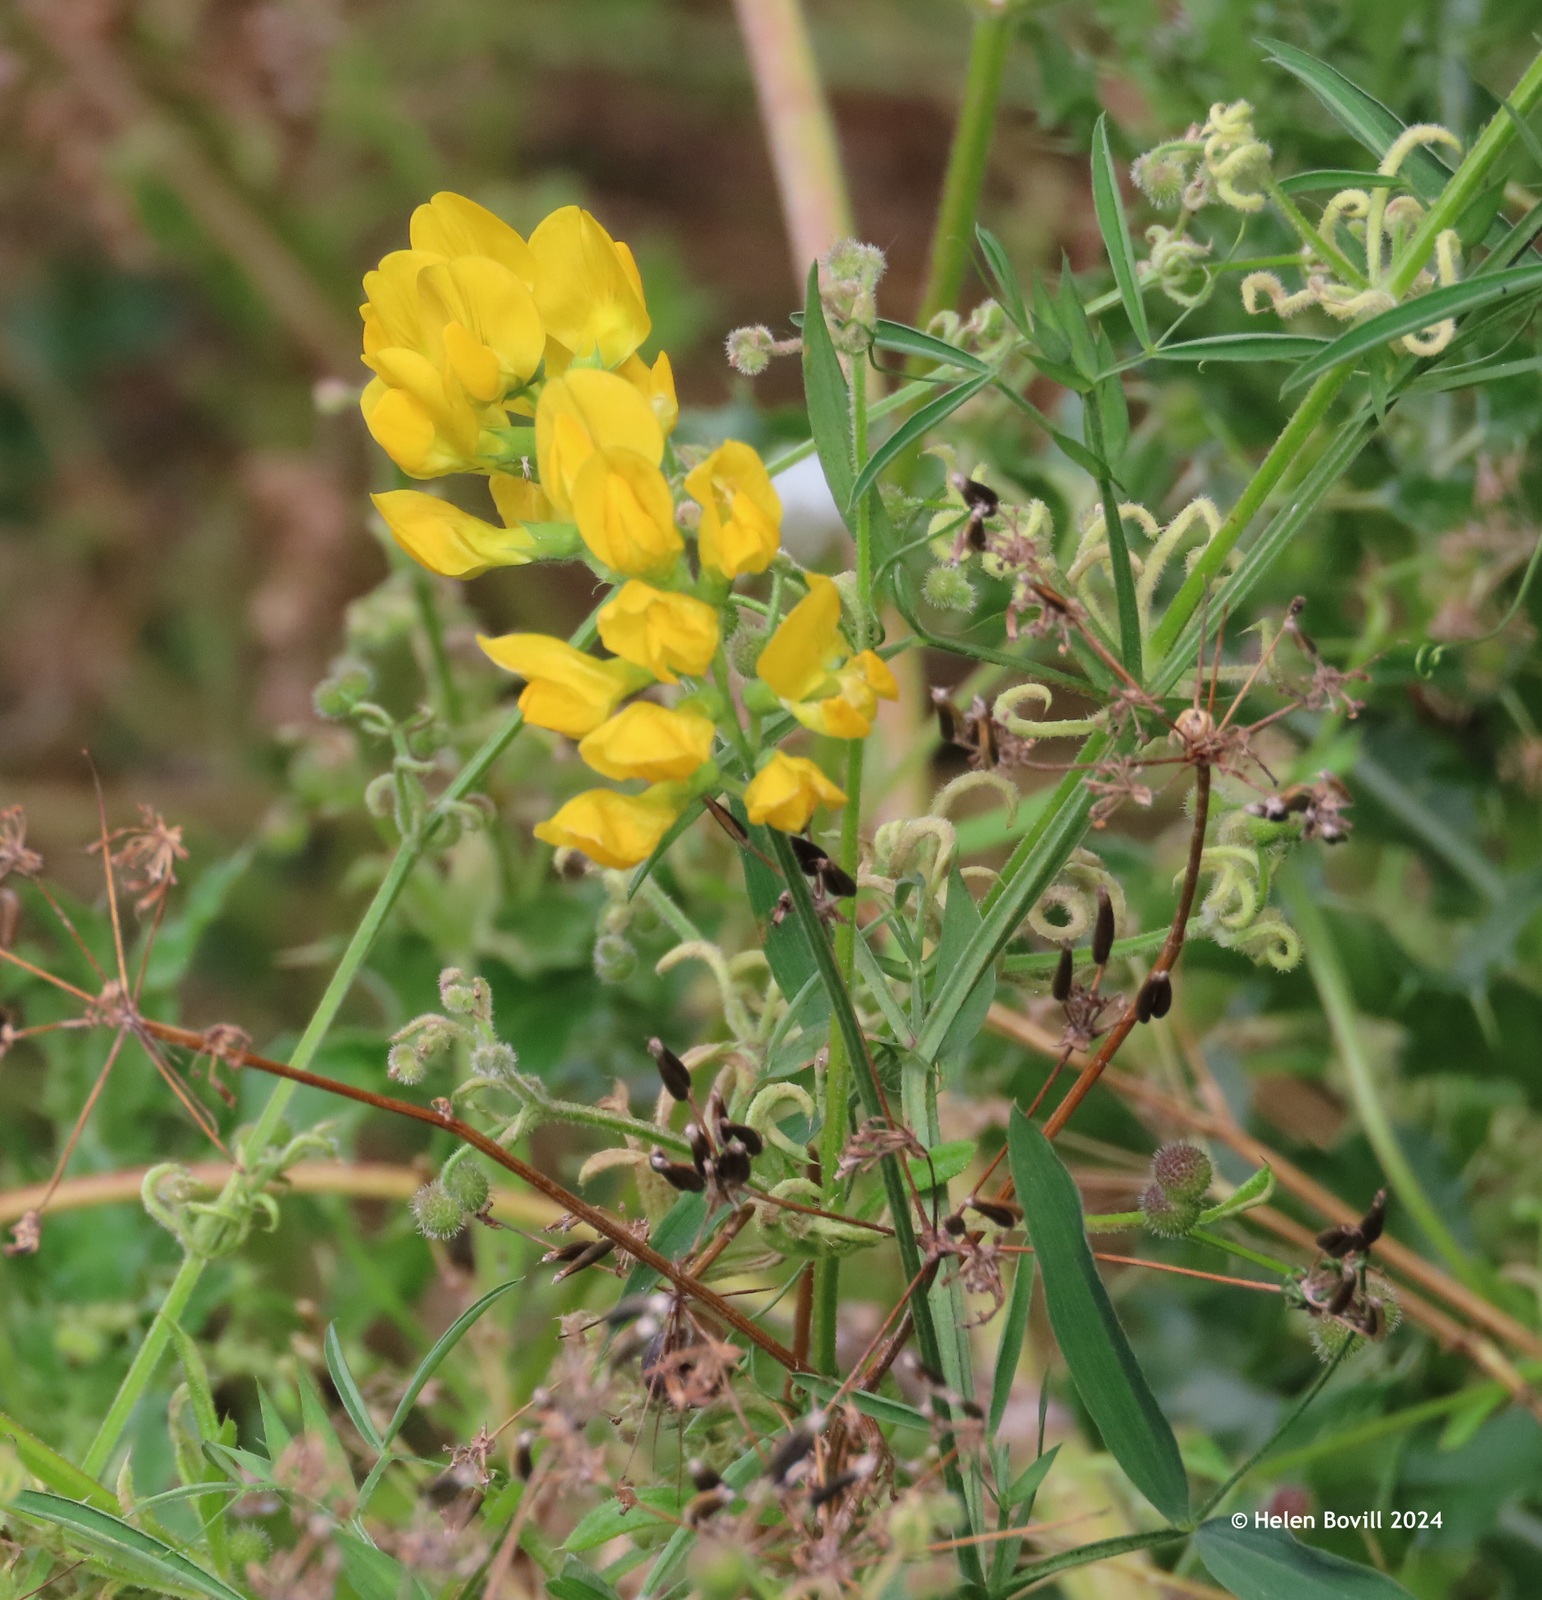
point(982, 500)
point(524, 1455)
point(1156, 997)
point(726, 820)
point(707, 1504)
point(676, 1175)
point(1342, 1295)
point(797, 1444)
point(594, 1250)
point(701, 1146)
point(733, 1164)
point(810, 857)
point(1374, 1320)
point(1374, 1220)
point(1103, 929)
point(997, 1211)
point(671, 1069)
point(744, 1133)
point(954, 1225)
point(838, 883)
point(1143, 1003)
point(947, 717)
point(702, 1476)
point(1182, 1169)
point(1338, 1240)
point(1065, 971)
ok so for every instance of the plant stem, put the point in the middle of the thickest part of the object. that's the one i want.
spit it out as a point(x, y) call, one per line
point(441, 678)
point(142, 1368)
point(1333, 992)
point(1280, 1269)
point(1314, 239)
point(800, 131)
point(1118, 546)
point(966, 163)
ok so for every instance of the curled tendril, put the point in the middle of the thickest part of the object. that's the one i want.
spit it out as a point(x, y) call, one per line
point(735, 1012)
point(1076, 895)
point(765, 1109)
point(796, 1233)
point(1234, 155)
point(1092, 552)
point(1234, 912)
point(971, 783)
point(1005, 712)
point(897, 844)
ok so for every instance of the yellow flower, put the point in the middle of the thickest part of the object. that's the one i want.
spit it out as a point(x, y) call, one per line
point(787, 791)
point(588, 288)
point(617, 830)
point(581, 412)
point(566, 690)
point(393, 310)
point(666, 633)
point(656, 384)
point(626, 513)
point(450, 541)
point(651, 742)
point(741, 513)
point(486, 324)
point(420, 417)
point(807, 665)
point(450, 225)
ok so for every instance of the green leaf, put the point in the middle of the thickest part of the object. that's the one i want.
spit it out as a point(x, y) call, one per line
point(316, 1422)
point(1072, 315)
point(905, 340)
point(177, 942)
point(1254, 1192)
point(828, 400)
point(348, 1389)
point(442, 1346)
point(1026, 1485)
point(1029, 1577)
point(1003, 280)
point(578, 1582)
point(919, 423)
point(276, 1438)
point(1267, 1564)
point(1049, 334)
point(1109, 206)
point(1413, 316)
point(611, 1519)
point(233, 1461)
point(786, 944)
point(1474, 375)
point(1331, 179)
point(374, 1575)
point(1014, 1329)
point(942, 1163)
point(1103, 1367)
point(960, 924)
point(123, 1544)
point(877, 1406)
point(1242, 347)
point(45, 1463)
point(679, 1230)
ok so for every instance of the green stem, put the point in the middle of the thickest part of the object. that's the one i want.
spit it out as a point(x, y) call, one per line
point(1118, 546)
point(441, 678)
point(1333, 992)
point(966, 163)
point(1313, 238)
point(1281, 1269)
point(137, 1379)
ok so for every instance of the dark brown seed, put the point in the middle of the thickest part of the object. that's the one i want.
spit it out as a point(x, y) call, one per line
point(524, 1455)
point(1004, 1216)
point(700, 1507)
point(701, 1146)
point(744, 1133)
point(1374, 1220)
point(1065, 971)
point(1143, 1002)
point(703, 1476)
point(726, 820)
point(1161, 988)
point(1338, 1240)
point(1342, 1295)
point(733, 1164)
point(1375, 1320)
point(594, 1250)
point(954, 1225)
point(795, 1446)
point(839, 884)
point(810, 857)
point(1103, 929)
point(982, 500)
point(976, 535)
point(677, 1080)
point(567, 1252)
point(823, 1493)
point(676, 1175)
point(947, 718)
point(972, 1410)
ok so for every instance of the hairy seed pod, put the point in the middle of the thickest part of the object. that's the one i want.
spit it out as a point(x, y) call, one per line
point(1182, 1169)
point(744, 1133)
point(1103, 929)
point(677, 1080)
point(1065, 971)
point(997, 1211)
point(982, 500)
point(1157, 995)
point(701, 1146)
point(811, 857)
point(1374, 1220)
point(838, 883)
point(466, 1183)
point(677, 1176)
point(1338, 1240)
point(733, 1164)
point(595, 1250)
point(798, 1443)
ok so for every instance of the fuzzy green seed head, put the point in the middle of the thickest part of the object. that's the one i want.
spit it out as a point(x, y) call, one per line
point(336, 695)
point(614, 958)
point(439, 1214)
point(1160, 175)
point(746, 642)
point(495, 1060)
point(1165, 1216)
point(948, 589)
point(466, 1184)
point(250, 1546)
point(750, 350)
point(405, 1065)
point(1182, 1169)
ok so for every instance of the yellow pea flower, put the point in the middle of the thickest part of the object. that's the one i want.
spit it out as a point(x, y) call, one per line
point(393, 310)
point(587, 287)
point(651, 742)
point(664, 632)
point(808, 667)
point(625, 512)
point(447, 540)
point(787, 791)
point(583, 411)
point(420, 417)
point(616, 830)
point(487, 324)
point(656, 384)
point(741, 513)
point(450, 225)
point(566, 690)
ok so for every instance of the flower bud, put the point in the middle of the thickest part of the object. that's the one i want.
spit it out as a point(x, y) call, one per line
point(746, 642)
point(1165, 1216)
point(614, 958)
point(405, 1065)
point(466, 1184)
point(349, 682)
point(1160, 175)
point(495, 1060)
point(1182, 1170)
point(948, 589)
point(439, 1215)
point(750, 350)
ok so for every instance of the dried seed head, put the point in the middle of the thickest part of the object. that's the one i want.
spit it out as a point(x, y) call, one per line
point(685, 1178)
point(1193, 724)
point(1065, 971)
point(677, 1080)
point(1182, 1169)
point(744, 1133)
point(1103, 928)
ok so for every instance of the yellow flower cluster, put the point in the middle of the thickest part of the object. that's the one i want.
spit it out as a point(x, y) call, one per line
point(518, 360)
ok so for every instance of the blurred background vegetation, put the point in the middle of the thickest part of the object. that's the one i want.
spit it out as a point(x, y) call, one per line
point(190, 191)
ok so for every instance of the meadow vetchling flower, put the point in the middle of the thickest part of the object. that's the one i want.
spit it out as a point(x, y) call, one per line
point(625, 512)
point(566, 690)
point(651, 742)
point(455, 544)
point(741, 512)
point(664, 632)
point(809, 668)
point(588, 288)
point(585, 411)
point(616, 830)
point(787, 791)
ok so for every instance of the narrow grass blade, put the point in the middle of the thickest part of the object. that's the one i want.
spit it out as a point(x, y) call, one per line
point(348, 1389)
point(1265, 1564)
point(914, 426)
point(1242, 347)
point(1014, 1328)
point(1102, 1364)
point(1026, 1578)
point(1331, 179)
point(45, 1463)
point(828, 400)
point(1003, 280)
point(905, 340)
point(1109, 206)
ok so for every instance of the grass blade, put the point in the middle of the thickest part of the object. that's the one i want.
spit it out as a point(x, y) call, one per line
point(46, 1464)
point(347, 1388)
point(442, 1346)
point(828, 401)
point(1109, 206)
point(1242, 347)
point(905, 340)
point(1003, 280)
point(1265, 1564)
point(1014, 1329)
point(1331, 179)
point(1026, 1578)
point(1103, 1367)
point(124, 1545)
point(913, 427)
